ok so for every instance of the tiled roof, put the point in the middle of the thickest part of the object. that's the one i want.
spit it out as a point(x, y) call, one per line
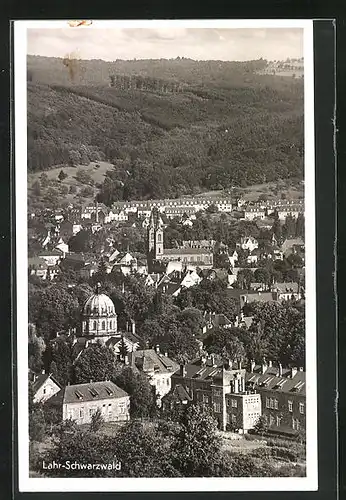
point(179, 393)
point(149, 360)
point(41, 379)
point(187, 251)
point(271, 380)
point(94, 391)
point(260, 296)
point(286, 287)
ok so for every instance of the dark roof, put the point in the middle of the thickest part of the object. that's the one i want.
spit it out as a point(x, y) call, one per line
point(217, 319)
point(253, 296)
point(271, 380)
point(149, 360)
point(286, 287)
point(187, 251)
point(178, 393)
point(93, 391)
point(41, 379)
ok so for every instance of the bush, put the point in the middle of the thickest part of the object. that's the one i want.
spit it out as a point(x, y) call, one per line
point(284, 454)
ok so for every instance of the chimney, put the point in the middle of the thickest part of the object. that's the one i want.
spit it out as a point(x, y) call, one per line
point(91, 381)
point(239, 364)
point(157, 349)
point(183, 370)
point(43, 371)
point(203, 360)
point(213, 362)
point(280, 370)
point(126, 359)
point(166, 354)
point(293, 371)
point(252, 365)
point(270, 364)
point(133, 326)
point(264, 366)
point(301, 369)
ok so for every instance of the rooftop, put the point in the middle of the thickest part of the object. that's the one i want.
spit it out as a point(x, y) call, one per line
point(93, 391)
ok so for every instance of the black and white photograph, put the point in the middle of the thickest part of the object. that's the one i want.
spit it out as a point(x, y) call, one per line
point(165, 255)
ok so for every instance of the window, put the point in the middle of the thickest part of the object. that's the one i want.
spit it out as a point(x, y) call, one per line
point(290, 406)
point(271, 420)
point(301, 408)
point(159, 250)
point(217, 408)
point(234, 403)
point(44, 391)
point(92, 411)
point(205, 398)
point(267, 403)
point(103, 325)
point(159, 237)
point(272, 403)
point(81, 412)
point(94, 325)
point(234, 418)
point(295, 424)
point(276, 404)
point(278, 421)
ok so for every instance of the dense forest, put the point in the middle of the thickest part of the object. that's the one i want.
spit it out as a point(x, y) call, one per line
point(169, 127)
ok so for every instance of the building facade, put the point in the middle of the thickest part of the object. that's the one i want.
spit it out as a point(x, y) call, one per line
point(220, 385)
point(81, 401)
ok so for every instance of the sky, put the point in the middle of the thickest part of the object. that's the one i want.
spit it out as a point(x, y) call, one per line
point(234, 44)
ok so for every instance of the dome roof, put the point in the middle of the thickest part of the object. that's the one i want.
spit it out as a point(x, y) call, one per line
point(99, 304)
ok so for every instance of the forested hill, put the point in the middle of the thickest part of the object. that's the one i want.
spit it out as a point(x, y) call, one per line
point(170, 127)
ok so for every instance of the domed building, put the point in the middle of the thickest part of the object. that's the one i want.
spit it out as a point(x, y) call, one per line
point(99, 319)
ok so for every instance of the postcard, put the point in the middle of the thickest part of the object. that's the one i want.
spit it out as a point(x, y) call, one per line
point(165, 250)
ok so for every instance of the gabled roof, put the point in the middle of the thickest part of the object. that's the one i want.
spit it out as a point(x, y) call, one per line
point(179, 394)
point(148, 360)
point(41, 379)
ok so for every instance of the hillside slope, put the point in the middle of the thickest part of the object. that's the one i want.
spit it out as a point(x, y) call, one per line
point(210, 135)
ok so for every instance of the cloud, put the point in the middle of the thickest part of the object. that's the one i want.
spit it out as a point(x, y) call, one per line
point(143, 43)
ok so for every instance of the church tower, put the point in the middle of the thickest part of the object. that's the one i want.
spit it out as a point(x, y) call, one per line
point(155, 248)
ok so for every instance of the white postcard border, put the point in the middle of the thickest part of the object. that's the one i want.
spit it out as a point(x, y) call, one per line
point(27, 484)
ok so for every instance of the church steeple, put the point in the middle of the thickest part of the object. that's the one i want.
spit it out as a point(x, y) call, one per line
point(155, 236)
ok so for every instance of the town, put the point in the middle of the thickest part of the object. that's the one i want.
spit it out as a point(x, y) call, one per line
point(144, 309)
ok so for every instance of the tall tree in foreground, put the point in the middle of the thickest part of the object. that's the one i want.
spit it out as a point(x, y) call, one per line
point(197, 447)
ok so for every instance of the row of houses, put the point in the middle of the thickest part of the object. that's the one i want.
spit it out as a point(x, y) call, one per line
point(237, 395)
point(252, 212)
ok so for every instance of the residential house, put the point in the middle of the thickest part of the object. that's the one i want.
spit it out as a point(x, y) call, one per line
point(62, 246)
point(88, 270)
point(38, 267)
point(248, 243)
point(292, 210)
point(287, 291)
point(254, 256)
point(81, 401)
point(213, 320)
point(158, 367)
point(51, 257)
point(44, 387)
point(283, 396)
point(253, 213)
point(257, 296)
point(220, 384)
point(292, 245)
point(124, 343)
